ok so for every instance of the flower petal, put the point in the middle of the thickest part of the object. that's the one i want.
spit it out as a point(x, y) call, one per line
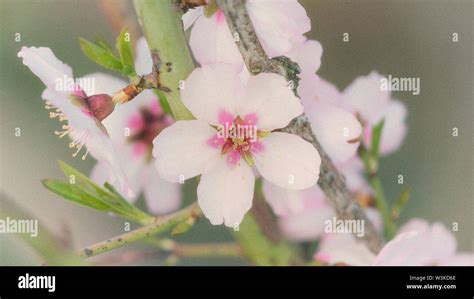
point(210, 90)
point(211, 42)
point(278, 24)
point(191, 15)
point(161, 197)
point(288, 161)
point(143, 62)
point(44, 64)
point(344, 248)
point(270, 97)
point(394, 129)
point(336, 129)
point(366, 97)
point(307, 55)
point(225, 193)
point(306, 226)
point(182, 152)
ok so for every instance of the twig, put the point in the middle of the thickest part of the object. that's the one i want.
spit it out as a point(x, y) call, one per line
point(330, 180)
point(160, 225)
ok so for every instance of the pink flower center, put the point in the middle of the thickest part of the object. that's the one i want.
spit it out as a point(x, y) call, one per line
point(144, 126)
point(237, 137)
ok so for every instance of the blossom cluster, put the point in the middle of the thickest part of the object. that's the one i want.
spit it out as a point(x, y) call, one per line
point(141, 150)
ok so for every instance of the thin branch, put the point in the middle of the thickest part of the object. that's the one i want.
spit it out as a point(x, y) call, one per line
point(331, 181)
point(160, 225)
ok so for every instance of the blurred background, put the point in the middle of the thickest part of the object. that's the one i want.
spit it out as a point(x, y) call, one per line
point(402, 38)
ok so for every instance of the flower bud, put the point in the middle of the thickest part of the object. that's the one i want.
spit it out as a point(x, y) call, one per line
point(101, 105)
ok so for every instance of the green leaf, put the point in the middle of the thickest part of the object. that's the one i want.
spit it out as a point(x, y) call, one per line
point(125, 51)
point(84, 191)
point(376, 137)
point(100, 54)
point(64, 190)
point(400, 203)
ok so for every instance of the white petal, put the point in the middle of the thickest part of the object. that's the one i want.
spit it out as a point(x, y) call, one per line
point(211, 42)
point(418, 248)
point(225, 194)
point(182, 152)
point(365, 96)
point(270, 97)
point(44, 64)
point(288, 161)
point(394, 129)
point(143, 62)
point(344, 248)
point(306, 226)
point(278, 24)
point(161, 196)
point(307, 55)
point(190, 16)
point(210, 90)
point(102, 83)
point(283, 201)
point(335, 127)
point(459, 259)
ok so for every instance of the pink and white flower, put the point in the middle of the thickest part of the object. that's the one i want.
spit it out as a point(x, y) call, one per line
point(132, 128)
point(422, 244)
point(366, 99)
point(279, 24)
point(302, 213)
point(222, 103)
point(418, 243)
point(336, 128)
point(83, 126)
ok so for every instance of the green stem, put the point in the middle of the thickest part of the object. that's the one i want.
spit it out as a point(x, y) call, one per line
point(381, 202)
point(161, 24)
point(160, 225)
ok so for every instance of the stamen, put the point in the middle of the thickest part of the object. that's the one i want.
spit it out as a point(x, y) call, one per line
point(85, 155)
point(79, 147)
point(61, 134)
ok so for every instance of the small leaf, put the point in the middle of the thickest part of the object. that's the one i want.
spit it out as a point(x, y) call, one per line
point(64, 190)
point(400, 203)
point(125, 51)
point(376, 137)
point(184, 226)
point(84, 191)
point(100, 54)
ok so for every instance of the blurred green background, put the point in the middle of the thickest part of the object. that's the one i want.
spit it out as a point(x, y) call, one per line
point(402, 38)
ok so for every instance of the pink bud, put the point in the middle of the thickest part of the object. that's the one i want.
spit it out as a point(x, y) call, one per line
point(101, 105)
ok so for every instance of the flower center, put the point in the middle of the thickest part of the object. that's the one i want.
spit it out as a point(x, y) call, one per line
point(237, 137)
point(144, 126)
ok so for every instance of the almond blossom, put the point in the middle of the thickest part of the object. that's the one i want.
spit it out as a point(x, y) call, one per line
point(84, 125)
point(418, 243)
point(279, 24)
point(302, 213)
point(366, 99)
point(215, 146)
